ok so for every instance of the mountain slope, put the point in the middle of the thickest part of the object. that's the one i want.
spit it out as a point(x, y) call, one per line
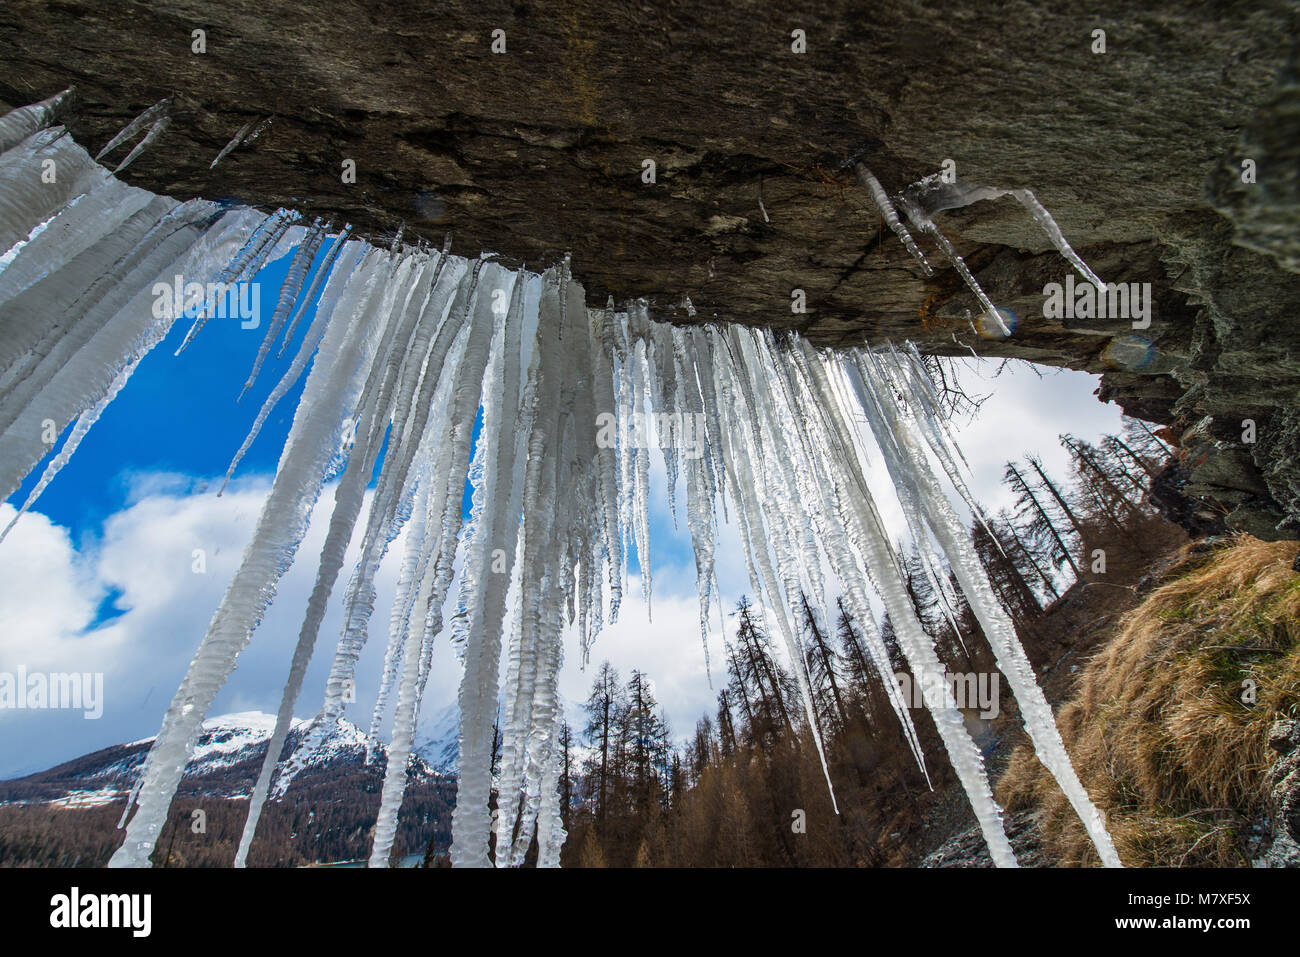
point(438, 740)
point(69, 812)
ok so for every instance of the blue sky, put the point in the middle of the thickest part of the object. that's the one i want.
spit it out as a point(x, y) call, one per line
point(100, 576)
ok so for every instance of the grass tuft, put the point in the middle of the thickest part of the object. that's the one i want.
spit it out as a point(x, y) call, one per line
point(1163, 728)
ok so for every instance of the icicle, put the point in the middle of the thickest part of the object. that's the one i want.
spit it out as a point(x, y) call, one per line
point(931, 563)
point(84, 422)
point(17, 125)
point(240, 138)
point(795, 501)
point(701, 346)
point(114, 322)
point(131, 128)
point(561, 530)
point(151, 117)
point(403, 351)
point(59, 240)
point(639, 375)
point(606, 455)
point(250, 259)
point(667, 399)
point(550, 820)
point(155, 131)
point(330, 394)
point(881, 199)
point(349, 495)
point(623, 399)
point(258, 248)
point(314, 337)
point(414, 563)
point(537, 620)
point(441, 362)
point(910, 469)
point(484, 587)
point(931, 195)
point(882, 565)
point(304, 303)
point(743, 455)
point(844, 477)
point(700, 515)
point(70, 300)
point(25, 201)
point(259, 129)
point(1048, 225)
point(954, 257)
point(447, 489)
point(289, 292)
point(412, 571)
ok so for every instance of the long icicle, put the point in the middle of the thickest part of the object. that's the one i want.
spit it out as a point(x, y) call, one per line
point(881, 199)
point(349, 497)
point(910, 468)
point(332, 388)
point(489, 564)
point(384, 520)
point(447, 488)
point(149, 116)
point(304, 302)
point(289, 293)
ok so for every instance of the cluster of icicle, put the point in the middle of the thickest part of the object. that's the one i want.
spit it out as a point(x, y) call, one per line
point(933, 194)
point(406, 347)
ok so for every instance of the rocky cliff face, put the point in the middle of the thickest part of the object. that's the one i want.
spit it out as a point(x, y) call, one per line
point(1284, 782)
point(541, 149)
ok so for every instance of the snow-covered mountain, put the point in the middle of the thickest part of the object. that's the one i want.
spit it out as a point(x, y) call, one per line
point(67, 815)
point(226, 761)
point(438, 739)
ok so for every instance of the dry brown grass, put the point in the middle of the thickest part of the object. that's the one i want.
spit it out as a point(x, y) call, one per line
point(1158, 729)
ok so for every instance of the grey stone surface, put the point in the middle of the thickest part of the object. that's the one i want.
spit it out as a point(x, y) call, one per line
point(1284, 781)
point(969, 850)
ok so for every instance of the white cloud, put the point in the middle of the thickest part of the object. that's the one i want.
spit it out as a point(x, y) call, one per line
point(47, 596)
point(1024, 415)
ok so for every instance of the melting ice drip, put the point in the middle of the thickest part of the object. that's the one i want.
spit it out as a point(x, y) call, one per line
point(407, 346)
